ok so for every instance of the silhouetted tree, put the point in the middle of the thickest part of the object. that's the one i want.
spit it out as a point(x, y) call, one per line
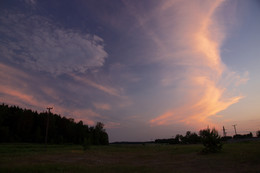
point(100, 135)
point(258, 133)
point(238, 136)
point(178, 138)
point(211, 140)
point(23, 125)
point(226, 138)
point(191, 138)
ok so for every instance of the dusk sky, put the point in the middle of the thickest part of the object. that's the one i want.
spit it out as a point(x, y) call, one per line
point(147, 69)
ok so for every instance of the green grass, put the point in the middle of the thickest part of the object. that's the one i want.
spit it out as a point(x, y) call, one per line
point(19, 158)
point(32, 149)
point(54, 168)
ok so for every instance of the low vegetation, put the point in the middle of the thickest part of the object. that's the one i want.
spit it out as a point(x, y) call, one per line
point(211, 141)
point(29, 158)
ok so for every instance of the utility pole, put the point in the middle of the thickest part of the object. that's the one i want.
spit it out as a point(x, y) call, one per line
point(47, 124)
point(235, 128)
point(224, 132)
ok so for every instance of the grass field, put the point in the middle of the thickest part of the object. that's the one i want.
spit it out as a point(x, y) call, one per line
point(26, 158)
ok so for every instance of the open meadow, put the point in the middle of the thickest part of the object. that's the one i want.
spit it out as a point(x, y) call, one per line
point(26, 158)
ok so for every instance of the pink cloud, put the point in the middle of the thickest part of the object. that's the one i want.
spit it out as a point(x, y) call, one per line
point(102, 106)
point(112, 125)
point(88, 116)
point(107, 89)
point(15, 90)
point(200, 37)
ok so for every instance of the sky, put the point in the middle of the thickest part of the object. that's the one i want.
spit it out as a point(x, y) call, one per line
point(146, 69)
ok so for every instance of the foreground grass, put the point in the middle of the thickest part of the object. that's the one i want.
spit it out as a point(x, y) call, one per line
point(238, 157)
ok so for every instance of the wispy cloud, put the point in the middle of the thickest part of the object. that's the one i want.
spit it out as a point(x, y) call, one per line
point(106, 89)
point(196, 40)
point(205, 102)
point(26, 90)
point(38, 43)
point(112, 125)
point(33, 44)
point(88, 116)
point(102, 106)
point(31, 2)
point(12, 84)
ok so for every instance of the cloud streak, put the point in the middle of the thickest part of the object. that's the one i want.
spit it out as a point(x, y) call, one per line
point(106, 89)
point(37, 43)
point(32, 46)
point(199, 40)
point(26, 90)
point(102, 106)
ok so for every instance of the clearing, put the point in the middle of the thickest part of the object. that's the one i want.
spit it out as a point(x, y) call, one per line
point(235, 157)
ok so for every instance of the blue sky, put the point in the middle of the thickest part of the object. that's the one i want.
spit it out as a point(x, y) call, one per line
point(146, 69)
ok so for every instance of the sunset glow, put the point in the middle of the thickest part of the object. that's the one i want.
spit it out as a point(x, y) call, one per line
point(146, 69)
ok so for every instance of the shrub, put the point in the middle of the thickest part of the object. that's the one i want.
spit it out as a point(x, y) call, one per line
point(211, 140)
point(226, 138)
point(238, 136)
point(258, 133)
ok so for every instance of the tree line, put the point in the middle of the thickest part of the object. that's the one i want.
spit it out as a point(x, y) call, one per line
point(194, 138)
point(25, 125)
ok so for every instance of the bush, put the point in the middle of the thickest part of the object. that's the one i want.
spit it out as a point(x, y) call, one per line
point(238, 136)
point(226, 138)
point(211, 141)
point(258, 133)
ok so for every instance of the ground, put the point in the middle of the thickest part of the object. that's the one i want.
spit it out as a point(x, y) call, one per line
point(236, 157)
